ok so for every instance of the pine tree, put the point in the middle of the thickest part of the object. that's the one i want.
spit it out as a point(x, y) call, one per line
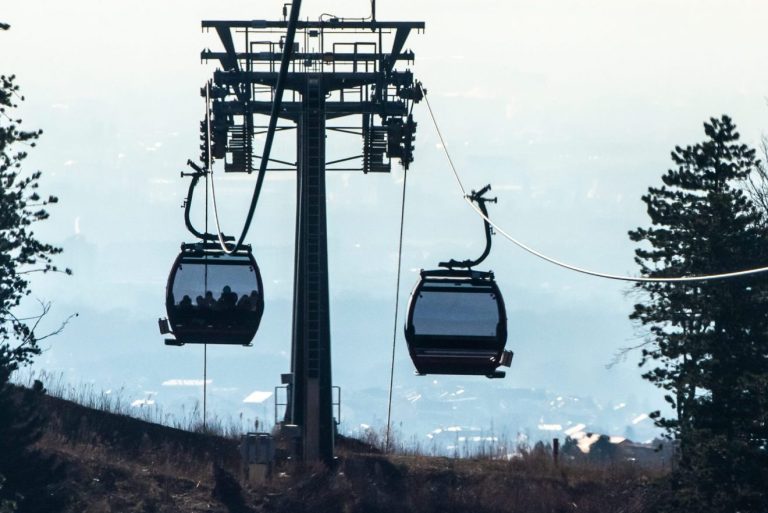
point(707, 345)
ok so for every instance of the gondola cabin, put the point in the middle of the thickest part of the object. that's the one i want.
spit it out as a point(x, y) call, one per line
point(213, 297)
point(457, 324)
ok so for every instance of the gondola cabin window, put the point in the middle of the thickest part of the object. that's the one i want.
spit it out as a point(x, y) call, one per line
point(216, 286)
point(456, 311)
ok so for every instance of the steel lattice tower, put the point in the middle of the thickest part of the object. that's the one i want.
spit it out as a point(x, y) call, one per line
point(338, 68)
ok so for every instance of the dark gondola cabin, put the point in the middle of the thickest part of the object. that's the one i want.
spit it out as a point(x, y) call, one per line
point(457, 324)
point(213, 297)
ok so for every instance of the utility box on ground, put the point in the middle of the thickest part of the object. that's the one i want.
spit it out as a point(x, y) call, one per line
point(258, 455)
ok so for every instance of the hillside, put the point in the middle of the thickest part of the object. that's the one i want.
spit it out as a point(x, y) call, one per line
point(93, 461)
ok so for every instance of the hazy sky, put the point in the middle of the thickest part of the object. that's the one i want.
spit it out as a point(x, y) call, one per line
point(569, 108)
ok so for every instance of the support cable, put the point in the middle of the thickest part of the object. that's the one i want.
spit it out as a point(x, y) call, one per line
point(205, 346)
point(205, 386)
point(643, 279)
point(274, 114)
point(397, 305)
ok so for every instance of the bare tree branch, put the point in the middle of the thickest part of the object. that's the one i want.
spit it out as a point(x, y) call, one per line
point(44, 270)
point(623, 352)
point(60, 328)
point(31, 337)
point(757, 183)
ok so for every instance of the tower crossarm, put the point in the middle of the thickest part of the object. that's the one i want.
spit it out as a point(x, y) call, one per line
point(292, 109)
point(328, 24)
point(330, 81)
point(259, 32)
point(359, 66)
point(227, 58)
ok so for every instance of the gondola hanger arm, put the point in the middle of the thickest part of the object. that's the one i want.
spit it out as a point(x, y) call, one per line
point(479, 198)
point(197, 169)
point(196, 176)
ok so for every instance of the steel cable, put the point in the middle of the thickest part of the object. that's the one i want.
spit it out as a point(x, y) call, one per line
point(706, 277)
point(397, 306)
point(276, 104)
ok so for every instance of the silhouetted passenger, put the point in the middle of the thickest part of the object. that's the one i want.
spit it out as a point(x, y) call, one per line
point(184, 309)
point(228, 299)
point(244, 303)
point(185, 303)
point(209, 301)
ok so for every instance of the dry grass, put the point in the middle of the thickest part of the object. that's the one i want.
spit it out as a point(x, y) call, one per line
point(93, 460)
point(107, 461)
point(414, 483)
point(116, 402)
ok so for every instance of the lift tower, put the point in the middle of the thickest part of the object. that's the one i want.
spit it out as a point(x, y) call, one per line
point(339, 67)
